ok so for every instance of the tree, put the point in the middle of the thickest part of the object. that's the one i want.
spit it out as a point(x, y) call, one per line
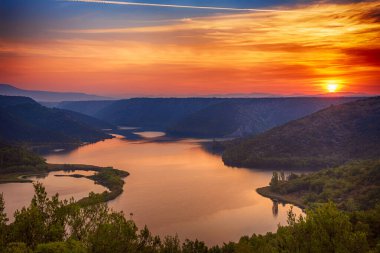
point(3, 223)
point(194, 247)
point(274, 182)
point(69, 246)
point(170, 244)
point(323, 230)
point(43, 221)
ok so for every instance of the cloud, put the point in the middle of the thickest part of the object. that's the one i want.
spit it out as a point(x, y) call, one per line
point(176, 6)
point(364, 56)
point(239, 52)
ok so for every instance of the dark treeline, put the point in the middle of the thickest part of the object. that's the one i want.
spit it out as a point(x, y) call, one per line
point(51, 225)
point(352, 186)
point(17, 159)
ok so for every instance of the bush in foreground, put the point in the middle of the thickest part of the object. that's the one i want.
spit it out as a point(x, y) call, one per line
point(49, 225)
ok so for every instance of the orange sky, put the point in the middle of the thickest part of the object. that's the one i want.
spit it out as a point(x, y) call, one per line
point(269, 52)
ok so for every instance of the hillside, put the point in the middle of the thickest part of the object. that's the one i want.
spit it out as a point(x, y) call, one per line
point(326, 138)
point(153, 113)
point(85, 107)
point(203, 117)
point(24, 120)
point(18, 159)
point(47, 96)
point(242, 117)
point(353, 186)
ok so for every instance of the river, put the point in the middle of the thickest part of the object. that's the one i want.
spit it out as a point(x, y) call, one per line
point(174, 188)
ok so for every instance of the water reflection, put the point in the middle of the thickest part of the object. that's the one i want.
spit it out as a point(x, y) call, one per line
point(177, 187)
point(275, 208)
point(17, 195)
point(150, 134)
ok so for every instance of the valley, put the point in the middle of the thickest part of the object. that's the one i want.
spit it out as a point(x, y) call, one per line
point(174, 184)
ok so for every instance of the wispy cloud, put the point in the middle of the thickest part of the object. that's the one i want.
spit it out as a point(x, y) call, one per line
point(235, 52)
point(178, 6)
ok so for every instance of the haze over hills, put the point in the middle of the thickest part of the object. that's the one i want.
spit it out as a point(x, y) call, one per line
point(152, 113)
point(85, 107)
point(203, 117)
point(241, 117)
point(47, 96)
point(24, 120)
point(326, 138)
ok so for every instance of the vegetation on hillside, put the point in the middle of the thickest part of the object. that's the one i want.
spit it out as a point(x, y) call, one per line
point(52, 225)
point(326, 138)
point(353, 186)
point(152, 113)
point(203, 117)
point(248, 116)
point(25, 121)
point(17, 161)
point(110, 178)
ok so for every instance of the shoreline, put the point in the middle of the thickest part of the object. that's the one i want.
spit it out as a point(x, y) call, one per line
point(108, 177)
point(267, 193)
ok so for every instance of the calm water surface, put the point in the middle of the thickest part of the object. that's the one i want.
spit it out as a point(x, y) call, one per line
point(177, 187)
point(17, 195)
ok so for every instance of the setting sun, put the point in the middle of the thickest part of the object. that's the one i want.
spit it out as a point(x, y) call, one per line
point(332, 86)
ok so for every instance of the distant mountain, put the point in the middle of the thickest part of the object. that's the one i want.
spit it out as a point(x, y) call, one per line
point(47, 96)
point(86, 107)
point(345, 94)
point(203, 117)
point(326, 138)
point(245, 95)
point(241, 117)
point(24, 120)
point(154, 113)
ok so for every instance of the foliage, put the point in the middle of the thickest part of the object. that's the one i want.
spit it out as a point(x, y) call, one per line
point(49, 225)
point(110, 178)
point(353, 186)
point(19, 159)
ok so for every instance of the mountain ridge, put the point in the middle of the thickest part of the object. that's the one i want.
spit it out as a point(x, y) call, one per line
point(325, 138)
point(48, 96)
point(23, 120)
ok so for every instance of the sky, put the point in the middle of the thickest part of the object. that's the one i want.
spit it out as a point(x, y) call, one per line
point(191, 47)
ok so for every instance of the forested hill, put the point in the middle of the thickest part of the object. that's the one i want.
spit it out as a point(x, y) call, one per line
point(85, 107)
point(24, 120)
point(358, 186)
point(203, 117)
point(329, 137)
point(153, 113)
point(248, 116)
point(18, 159)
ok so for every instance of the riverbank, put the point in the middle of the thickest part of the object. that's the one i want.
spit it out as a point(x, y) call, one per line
point(288, 199)
point(110, 178)
point(358, 189)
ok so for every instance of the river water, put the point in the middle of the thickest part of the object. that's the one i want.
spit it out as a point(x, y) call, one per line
point(174, 188)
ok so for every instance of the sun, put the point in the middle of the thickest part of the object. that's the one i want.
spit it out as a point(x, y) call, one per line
point(332, 86)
